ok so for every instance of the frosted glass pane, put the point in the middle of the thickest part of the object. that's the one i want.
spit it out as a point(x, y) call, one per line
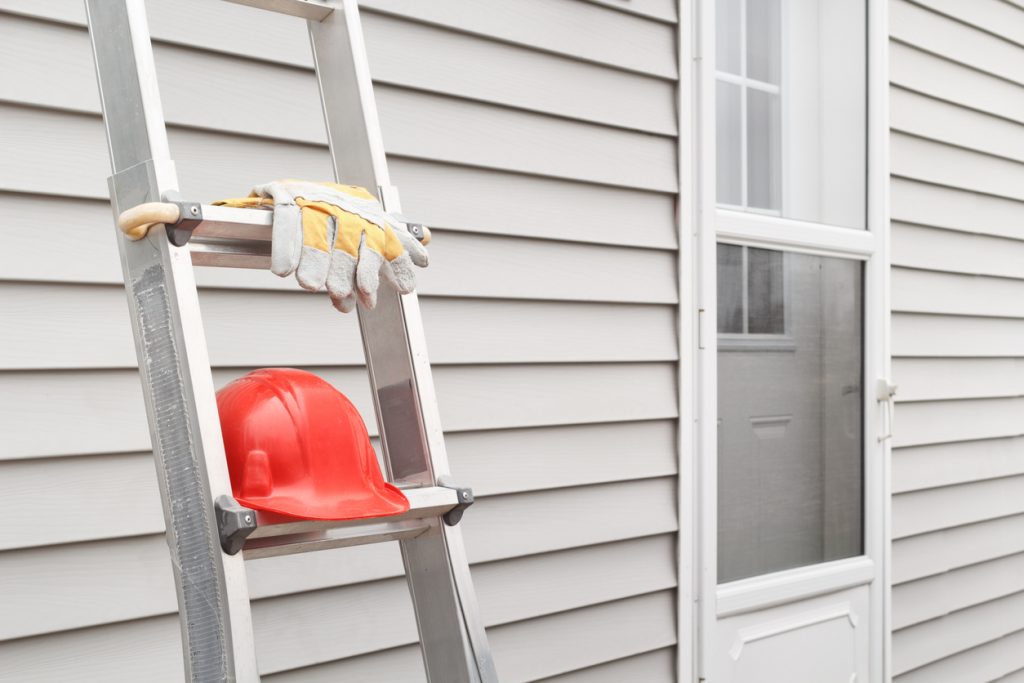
point(730, 289)
point(766, 310)
point(727, 35)
point(763, 40)
point(803, 79)
point(764, 167)
point(728, 133)
point(790, 445)
point(824, 88)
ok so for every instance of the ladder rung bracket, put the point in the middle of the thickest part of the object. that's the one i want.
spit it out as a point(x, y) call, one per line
point(275, 536)
point(304, 9)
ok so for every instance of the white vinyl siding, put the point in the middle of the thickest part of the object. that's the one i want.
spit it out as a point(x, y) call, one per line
point(957, 107)
point(539, 139)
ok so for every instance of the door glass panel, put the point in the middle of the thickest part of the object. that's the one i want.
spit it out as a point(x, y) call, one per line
point(790, 408)
point(801, 77)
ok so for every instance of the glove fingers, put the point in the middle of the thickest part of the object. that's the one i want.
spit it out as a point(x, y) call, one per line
point(417, 252)
point(341, 278)
point(401, 274)
point(318, 231)
point(286, 239)
point(368, 274)
point(345, 304)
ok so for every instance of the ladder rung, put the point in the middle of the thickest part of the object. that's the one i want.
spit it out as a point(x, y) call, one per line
point(274, 536)
point(232, 238)
point(306, 9)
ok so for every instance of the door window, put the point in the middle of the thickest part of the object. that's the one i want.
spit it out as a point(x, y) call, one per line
point(791, 133)
point(791, 109)
point(790, 418)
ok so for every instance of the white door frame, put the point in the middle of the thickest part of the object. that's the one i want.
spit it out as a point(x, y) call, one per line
point(700, 602)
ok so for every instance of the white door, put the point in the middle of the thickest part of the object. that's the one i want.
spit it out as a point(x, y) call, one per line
point(791, 283)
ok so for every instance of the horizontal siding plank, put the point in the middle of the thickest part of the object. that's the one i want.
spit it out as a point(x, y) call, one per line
point(919, 291)
point(937, 596)
point(994, 16)
point(916, 334)
point(523, 523)
point(931, 422)
point(541, 458)
point(945, 79)
point(943, 207)
point(146, 650)
point(982, 664)
point(150, 649)
point(103, 411)
point(403, 663)
point(71, 148)
point(459, 331)
point(957, 632)
point(527, 651)
point(934, 119)
point(402, 53)
point(941, 35)
point(925, 467)
point(663, 10)
point(271, 36)
point(942, 164)
point(936, 379)
point(565, 26)
point(658, 666)
point(74, 594)
point(956, 252)
point(548, 639)
point(34, 493)
point(919, 512)
point(313, 628)
point(940, 551)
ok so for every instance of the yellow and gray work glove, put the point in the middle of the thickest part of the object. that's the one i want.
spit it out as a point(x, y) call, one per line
point(338, 236)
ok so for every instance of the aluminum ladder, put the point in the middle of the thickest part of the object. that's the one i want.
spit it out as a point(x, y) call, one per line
point(208, 532)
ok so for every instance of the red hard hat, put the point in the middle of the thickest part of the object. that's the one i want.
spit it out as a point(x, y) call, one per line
point(296, 446)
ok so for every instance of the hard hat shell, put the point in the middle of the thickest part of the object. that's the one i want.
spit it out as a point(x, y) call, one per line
point(297, 446)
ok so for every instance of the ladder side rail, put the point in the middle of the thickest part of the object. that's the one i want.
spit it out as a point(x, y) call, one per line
point(451, 633)
point(213, 601)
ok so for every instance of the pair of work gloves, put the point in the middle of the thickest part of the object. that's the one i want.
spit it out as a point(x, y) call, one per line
point(338, 237)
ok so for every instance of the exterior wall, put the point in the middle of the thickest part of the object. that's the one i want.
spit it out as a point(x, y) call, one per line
point(539, 138)
point(958, 324)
